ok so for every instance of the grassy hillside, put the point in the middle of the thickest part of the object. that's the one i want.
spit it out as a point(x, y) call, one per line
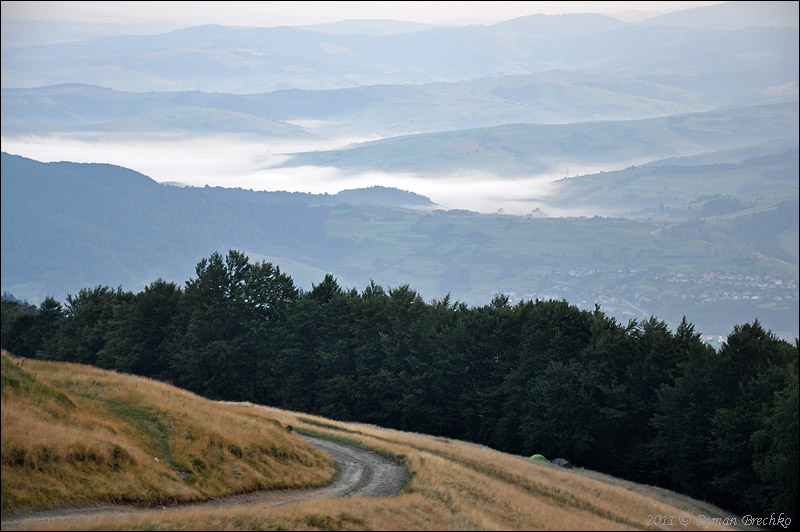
point(385, 110)
point(551, 97)
point(529, 149)
point(73, 435)
point(681, 190)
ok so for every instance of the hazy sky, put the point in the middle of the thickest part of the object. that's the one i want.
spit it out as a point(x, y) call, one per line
point(279, 13)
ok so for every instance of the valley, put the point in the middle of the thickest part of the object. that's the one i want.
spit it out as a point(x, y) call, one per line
point(327, 266)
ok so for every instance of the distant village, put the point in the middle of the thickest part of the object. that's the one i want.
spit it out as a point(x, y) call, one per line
point(638, 291)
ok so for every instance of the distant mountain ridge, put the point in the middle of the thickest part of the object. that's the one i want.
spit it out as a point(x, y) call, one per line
point(246, 60)
point(733, 15)
point(566, 24)
point(387, 110)
point(367, 27)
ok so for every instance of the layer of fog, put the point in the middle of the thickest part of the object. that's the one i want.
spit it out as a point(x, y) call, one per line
point(236, 163)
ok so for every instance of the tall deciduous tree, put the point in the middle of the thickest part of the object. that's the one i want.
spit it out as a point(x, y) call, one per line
point(225, 321)
point(81, 335)
point(140, 331)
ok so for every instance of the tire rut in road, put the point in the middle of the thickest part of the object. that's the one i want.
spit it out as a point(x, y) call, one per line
point(363, 473)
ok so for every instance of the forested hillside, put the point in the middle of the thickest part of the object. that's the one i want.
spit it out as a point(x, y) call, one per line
point(635, 400)
point(66, 226)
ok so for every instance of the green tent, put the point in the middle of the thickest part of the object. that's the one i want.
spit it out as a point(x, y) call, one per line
point(539, 457)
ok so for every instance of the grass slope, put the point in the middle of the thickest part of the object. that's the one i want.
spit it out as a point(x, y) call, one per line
point(684, 187)
point(50, 410)
point(75, 435)
point(518, 149)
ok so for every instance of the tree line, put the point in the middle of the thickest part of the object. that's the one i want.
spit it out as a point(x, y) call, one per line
point(634, 400)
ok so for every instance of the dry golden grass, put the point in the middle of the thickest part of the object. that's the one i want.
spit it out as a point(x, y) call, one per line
point(73, 434)
point(453, 485)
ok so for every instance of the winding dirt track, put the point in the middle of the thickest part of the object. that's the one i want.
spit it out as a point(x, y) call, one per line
point(361, 473)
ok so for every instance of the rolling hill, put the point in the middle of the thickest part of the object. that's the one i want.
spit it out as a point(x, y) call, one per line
point(73, 435)
point(111, 225)
point(679, 187)
point(90, 435)
point(515, 150)
point(387, 110)
point(68, 226)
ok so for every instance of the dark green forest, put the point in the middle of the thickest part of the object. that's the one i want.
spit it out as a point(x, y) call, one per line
point(634, 400)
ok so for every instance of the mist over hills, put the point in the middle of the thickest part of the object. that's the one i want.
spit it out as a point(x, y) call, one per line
point(266, 82)
point(685, 125)
point(523, 149)
point(68, 226)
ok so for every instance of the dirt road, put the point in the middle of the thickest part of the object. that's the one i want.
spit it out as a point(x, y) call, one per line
point(361, 473)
